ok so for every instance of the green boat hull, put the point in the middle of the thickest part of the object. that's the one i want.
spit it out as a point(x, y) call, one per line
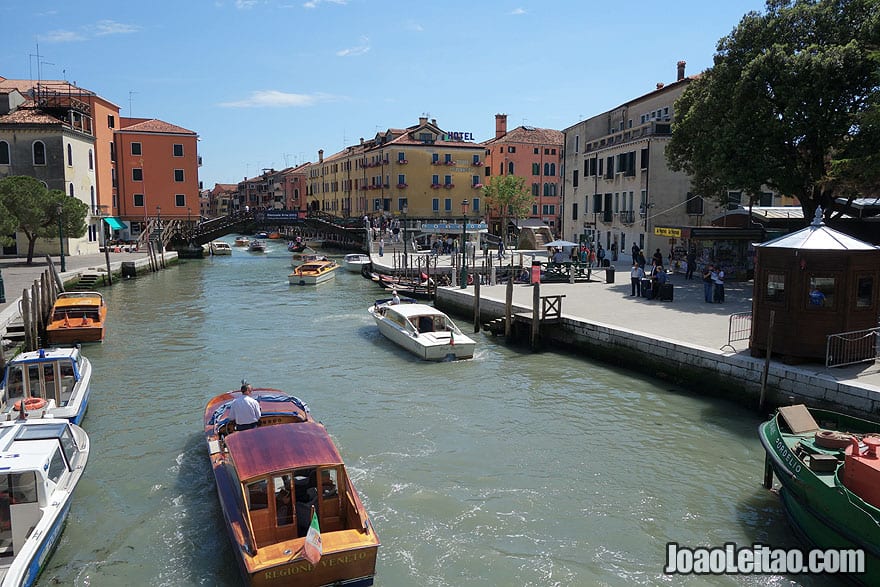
point(820, 508)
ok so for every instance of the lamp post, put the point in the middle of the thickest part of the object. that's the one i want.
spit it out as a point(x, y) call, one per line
point(60, 210)
point(403, 211)
point(464, 211)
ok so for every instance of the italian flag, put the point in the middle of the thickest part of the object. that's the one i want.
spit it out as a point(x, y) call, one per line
point(312, 548)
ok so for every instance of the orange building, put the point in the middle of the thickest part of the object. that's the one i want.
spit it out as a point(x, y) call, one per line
point(534, 154)
point(157, 172)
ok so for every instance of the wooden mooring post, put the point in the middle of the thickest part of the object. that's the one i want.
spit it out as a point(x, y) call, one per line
point(536, 315)
point(477, 303)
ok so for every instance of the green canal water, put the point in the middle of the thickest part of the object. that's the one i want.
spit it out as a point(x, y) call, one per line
point(509, 469)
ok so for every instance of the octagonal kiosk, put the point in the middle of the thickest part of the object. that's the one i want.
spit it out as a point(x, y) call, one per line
point(818, 282)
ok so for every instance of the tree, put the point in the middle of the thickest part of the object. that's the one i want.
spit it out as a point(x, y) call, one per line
point(508, 195)
point(35, 210)
point(785, 96)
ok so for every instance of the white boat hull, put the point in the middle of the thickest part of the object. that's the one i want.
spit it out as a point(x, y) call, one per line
point(294, 279)
point(355, 263)
point(428, 346)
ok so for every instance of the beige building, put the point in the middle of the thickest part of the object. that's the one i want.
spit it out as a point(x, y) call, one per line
point(422, 171)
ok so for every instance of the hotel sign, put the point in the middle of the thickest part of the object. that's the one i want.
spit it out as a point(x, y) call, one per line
point(457, 136)
point(667, 231)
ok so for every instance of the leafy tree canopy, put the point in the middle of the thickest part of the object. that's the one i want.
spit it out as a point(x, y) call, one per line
point(508, 195)
point(34, 210)
point(790, 103)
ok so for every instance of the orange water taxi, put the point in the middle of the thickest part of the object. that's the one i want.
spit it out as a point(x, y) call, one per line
point(77, 316)
point(283, 488)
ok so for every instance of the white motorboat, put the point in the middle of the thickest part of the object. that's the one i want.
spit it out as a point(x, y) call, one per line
point(220, 248)
point(43, 460)
point(242, 241)
point(423, 330)
point(355, 262)
point(47, 383)
point(313, 273)
point(257, 246)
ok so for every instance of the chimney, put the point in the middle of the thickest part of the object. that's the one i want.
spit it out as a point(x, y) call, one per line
point(320, 155)
point(681, 65)
point(500, 125)
point(362, 141)
point(660, 85)
point(423, 120)
point(434, 121)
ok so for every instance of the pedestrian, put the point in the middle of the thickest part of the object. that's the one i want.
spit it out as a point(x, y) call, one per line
point(381, 246)
point(641, 260)
point(245, 410)
point(817, 298)
point(501, 249)
point(614, 251)
point(635, 252)
point(691, 264)
point(636, 275)
point(708, 283)
point(718, 285)
point(600, 255)
point(657, 258)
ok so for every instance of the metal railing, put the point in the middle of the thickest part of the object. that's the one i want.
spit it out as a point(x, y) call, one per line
point(739, 328)
point(847, 348)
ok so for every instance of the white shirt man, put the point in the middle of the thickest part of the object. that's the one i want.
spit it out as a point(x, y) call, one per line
point(245, 410)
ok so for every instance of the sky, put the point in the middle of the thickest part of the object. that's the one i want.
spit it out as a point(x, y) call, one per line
point(267, 83)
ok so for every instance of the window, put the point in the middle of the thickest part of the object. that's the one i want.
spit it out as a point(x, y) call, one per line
point(402, 203)
point(475, 179)
point(597, 203)
point(537, 151)
point(447, 180)
point(435, 204)
point(258, 496)
point(447, 204)
point(178, 175)
point(475, 205)
point(180, 200)
point(39, 153)
point(775, 291)
point(536, 189)
point(435, 180)
point(864, 292)
point(401, 156)
point(4, 153)
point(577, 143)
point(111, 121)
point(609, 168)
point(511, 149)
point(401, 179)
point(137, 174)
point(644, 158)
point(574, 211)
point(435, 158)
point(70, 155)
point(821, 292)
point(138, 200)
point(91, 160)
point(136, 149)
point(476, 160)
point(177, 150)
point(536, 169)
point(70, 190)
point(510, 167)
point(447, 158)
point(57, 466)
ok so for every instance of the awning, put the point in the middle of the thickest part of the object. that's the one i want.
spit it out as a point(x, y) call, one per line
point(114, 223)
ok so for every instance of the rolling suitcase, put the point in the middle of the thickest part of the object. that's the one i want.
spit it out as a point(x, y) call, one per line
point(666, 292)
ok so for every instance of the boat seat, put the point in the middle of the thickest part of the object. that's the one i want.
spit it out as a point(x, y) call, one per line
point(799, 419)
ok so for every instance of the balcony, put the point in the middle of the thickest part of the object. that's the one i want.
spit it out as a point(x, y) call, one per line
point(627, 217)
point(436, 162)
point(401, 186)
point(449, 186)
point(450, 163)
point(477, 163)
point(402, 161)
point(435, 186)
point(477, 186)
point(608, 217)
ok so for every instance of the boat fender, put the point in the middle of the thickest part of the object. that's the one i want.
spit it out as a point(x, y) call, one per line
point(31, 403)
point(832, 439)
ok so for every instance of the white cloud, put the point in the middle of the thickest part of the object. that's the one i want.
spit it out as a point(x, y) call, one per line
point(315, 3)
point(356, 50)
point(245, 4)
point(518, 11)
point(414, 26)
point(61, 37)
point(111, 27)
point(276, 99)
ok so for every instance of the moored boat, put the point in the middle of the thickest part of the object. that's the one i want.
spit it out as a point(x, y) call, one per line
point(220, 248)
point(355, 262)
point(77, 316)
point(43, 460)
point(422, 330)
point(422, 287)
point(241, 241)
point(828, 464)
point(283, 488)
point(49, 383)
point(313, 272)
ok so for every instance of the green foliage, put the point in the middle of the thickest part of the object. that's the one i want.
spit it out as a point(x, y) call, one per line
point(786, 94)
point(33, 210)
point(508, 195)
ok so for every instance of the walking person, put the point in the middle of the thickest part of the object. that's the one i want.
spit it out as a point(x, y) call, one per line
point(381, 246)
point(708, 283)
point(691, 263)
point(718, 285)
point(635, 253)
point(636, 275)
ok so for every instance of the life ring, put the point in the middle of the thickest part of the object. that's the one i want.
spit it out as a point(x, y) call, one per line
point(832, 439)
point(31, 403)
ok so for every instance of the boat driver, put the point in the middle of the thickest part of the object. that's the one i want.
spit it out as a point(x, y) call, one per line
point(245, 410)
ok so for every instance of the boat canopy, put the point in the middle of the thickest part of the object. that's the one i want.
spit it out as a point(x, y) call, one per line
point(271, 449)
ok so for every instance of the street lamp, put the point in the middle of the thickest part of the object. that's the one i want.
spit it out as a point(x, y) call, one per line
point(464, 211)
point(403, 211)
point(60, 210)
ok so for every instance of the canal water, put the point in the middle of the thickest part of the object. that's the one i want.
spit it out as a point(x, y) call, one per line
point(509, 469)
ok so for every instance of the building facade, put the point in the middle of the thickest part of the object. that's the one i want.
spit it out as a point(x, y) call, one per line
point(535, 154)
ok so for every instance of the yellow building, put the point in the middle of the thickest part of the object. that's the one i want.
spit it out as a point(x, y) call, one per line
point(422, 171)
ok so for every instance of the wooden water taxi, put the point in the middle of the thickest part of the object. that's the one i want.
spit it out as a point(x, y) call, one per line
point(43, 460)
point(276, 482)
point(77, 316)
point(220, 248)
point(241, 241)
point(46, 383)
point(423, 330)
point(829, 466)
point(313, 272)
